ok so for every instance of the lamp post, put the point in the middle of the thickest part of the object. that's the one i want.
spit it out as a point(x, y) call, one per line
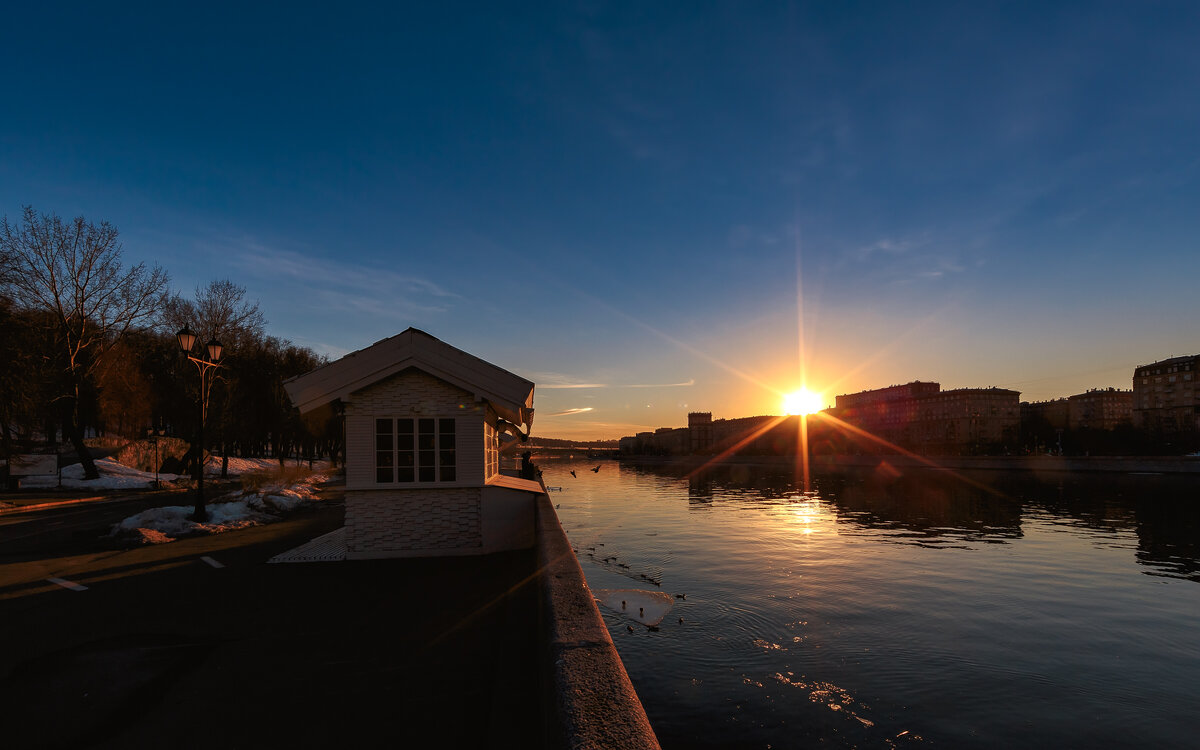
point(152, 435)
point(187, 340)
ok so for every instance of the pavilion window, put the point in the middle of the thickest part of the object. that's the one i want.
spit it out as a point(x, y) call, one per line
point(491, 451)
point(447, 469)
point(385, 465)
point(415, 450)
point(405, 457)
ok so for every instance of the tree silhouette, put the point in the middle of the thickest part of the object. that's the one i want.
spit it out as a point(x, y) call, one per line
point(72, 271)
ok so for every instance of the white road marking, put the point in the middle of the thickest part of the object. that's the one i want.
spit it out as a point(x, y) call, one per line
point(68, 584)
point(211, 562)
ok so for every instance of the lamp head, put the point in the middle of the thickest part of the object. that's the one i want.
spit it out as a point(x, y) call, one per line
point(214, 350)
point(186, 339)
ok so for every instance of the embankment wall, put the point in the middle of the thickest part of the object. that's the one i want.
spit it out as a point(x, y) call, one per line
point(592, 702)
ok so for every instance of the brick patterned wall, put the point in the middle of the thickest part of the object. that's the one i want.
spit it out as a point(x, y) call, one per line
point(417, 394)
point(411, 391)
point(380, 521)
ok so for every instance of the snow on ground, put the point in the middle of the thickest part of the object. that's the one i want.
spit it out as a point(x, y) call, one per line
point(235, 511)
point(173, 521)
point(239, 466)
point(113, 476)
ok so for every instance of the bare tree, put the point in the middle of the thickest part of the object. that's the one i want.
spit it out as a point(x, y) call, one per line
point(72, 270)
point(219, 310)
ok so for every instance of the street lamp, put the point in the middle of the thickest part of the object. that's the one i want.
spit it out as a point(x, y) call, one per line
point(187, 340)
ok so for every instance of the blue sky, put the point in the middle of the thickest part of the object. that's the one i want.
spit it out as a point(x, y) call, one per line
point(673, 203)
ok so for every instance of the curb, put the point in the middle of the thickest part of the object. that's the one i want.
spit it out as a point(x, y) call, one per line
point(122, 495)
point(55, 504)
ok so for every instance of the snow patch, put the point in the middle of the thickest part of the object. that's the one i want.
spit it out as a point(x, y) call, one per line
point(175, 520)
point(113, 476)
point(248, 509)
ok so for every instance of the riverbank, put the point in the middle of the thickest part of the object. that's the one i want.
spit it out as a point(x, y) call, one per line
point(1185, 465)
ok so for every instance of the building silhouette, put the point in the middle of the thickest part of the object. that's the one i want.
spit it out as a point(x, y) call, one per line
point(1166, 401)
point(1055, 414)
point(922, 418)
point(1100, 409)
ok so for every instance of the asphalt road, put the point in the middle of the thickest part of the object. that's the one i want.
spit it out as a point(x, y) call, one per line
point(82, 524)
point(200, 643)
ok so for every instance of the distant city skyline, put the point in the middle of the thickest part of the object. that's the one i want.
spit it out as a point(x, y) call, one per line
point(647, 209)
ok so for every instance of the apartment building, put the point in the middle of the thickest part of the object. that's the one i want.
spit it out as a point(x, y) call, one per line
point(1055, 413)
point(1166, 400)
point(921, 417)
point(1100, 409)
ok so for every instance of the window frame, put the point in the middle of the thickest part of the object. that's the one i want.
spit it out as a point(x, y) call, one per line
point(491, 451)
point(415, 450)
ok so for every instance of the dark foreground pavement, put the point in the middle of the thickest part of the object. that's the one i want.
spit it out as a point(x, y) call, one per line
point(165, 650)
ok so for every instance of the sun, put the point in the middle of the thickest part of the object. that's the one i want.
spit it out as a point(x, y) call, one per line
point(802, 401)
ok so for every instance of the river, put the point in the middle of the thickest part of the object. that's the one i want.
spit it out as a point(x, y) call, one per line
point(885, 610)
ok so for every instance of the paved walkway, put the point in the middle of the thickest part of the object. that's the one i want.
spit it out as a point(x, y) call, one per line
point(201, 643)
point(329, 547)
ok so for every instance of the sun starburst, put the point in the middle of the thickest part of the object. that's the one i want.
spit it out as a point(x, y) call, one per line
point(802, 401)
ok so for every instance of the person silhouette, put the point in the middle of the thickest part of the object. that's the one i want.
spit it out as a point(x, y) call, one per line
point(528, 470)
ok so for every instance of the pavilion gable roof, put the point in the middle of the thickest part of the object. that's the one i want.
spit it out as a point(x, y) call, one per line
point(509, 394)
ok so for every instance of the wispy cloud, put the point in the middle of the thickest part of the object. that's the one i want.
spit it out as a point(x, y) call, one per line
point(341, 285)
point(568, 412)
point(557, 386)
point(886, 247)
point(552, 380)
point(901, 261)
point(685, 384)
point(926, 268)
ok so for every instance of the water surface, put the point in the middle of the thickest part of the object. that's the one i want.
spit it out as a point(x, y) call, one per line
point(878, 611)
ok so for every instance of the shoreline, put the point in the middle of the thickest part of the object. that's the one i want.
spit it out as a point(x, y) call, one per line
point(1175, 465)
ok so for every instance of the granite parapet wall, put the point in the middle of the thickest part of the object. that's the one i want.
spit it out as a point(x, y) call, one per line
point(591, 704)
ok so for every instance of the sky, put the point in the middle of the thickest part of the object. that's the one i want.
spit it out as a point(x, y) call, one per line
point(646, 208)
